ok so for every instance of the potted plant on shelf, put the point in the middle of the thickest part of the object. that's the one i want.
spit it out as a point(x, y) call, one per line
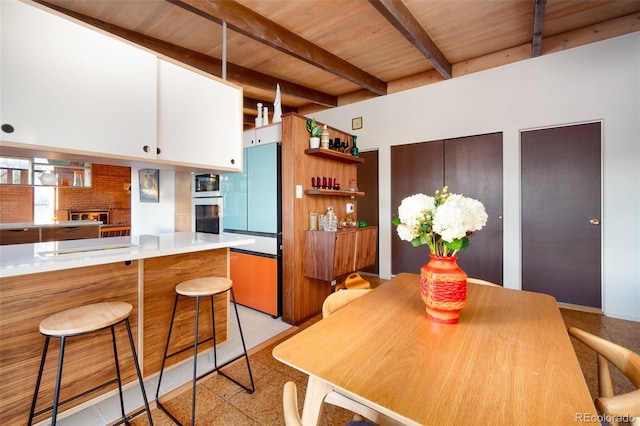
point(315, 130)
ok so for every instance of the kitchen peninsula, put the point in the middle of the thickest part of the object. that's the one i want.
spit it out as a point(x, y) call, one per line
point(37, 280)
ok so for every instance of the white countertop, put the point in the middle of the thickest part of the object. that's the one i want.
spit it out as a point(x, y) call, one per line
point(22, 259)
point(18, 225)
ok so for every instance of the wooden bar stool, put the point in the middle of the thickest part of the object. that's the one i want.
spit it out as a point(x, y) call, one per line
point(197, 288)
point(76, 322)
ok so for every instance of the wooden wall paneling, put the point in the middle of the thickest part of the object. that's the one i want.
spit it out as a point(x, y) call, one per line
point(415, 168)
point(303, 297)
point(473, 167)
point(161, 275)
point(28, 299)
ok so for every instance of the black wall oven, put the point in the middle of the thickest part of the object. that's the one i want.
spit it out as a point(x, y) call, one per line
point(207, 215)
point(206, 208)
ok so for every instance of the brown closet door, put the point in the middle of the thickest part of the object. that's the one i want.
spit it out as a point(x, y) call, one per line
point(561, 201)
point(368, 205)
point(473, 167)
point(415, 168)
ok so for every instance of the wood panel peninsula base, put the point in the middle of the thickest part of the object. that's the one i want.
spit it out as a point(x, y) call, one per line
point(140, 270)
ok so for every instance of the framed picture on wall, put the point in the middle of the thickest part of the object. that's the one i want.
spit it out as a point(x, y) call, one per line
point(149, 185)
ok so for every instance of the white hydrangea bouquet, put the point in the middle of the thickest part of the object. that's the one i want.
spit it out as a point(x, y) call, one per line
point(444, 222)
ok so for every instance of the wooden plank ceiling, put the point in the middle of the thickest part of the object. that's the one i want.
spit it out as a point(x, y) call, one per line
point(325, 53)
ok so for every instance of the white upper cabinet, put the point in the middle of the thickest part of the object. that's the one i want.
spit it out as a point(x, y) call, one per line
point(199, 119)
point(66, 86)
point(262, 135)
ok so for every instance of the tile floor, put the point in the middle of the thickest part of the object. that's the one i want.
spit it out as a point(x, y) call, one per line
point(220, 402)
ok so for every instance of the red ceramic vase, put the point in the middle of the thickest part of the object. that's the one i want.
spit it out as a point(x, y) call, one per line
point(443, 287)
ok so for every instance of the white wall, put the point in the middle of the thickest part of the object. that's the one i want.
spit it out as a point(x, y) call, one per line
point(153, 218)
point(600, 81)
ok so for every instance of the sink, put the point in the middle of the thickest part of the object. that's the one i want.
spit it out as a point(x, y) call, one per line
point(96, 249)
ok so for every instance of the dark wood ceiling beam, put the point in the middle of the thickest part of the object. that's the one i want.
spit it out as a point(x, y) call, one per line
point(401, 18)
point(208, 64)
point(538, 25)
point(245, 21)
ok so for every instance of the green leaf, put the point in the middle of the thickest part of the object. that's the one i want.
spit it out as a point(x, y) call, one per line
point(416, 242)
point(396, 221)
point(457, 244)
point(453, 245)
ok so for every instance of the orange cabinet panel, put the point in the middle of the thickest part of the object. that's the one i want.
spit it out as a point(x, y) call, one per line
point(255, 281)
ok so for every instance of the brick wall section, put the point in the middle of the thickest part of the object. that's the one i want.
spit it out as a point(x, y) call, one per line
point(16, 204)
point(107, 193)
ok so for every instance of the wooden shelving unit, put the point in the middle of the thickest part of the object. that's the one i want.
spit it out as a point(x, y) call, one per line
point(333, 155)
point(339, 192)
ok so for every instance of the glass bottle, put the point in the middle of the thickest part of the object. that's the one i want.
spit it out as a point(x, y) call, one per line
point(354, 149)
point(352, 186)
point(331, 220)
point(324, 137)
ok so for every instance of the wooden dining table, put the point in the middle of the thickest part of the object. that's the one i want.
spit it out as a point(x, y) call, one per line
point(508, 361)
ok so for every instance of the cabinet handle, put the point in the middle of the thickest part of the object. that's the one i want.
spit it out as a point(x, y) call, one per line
point(7, 128)
point(158, 151)
point(146, 148)
point(233, 161)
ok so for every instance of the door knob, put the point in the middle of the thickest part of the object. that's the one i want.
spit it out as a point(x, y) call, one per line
point(594, 222)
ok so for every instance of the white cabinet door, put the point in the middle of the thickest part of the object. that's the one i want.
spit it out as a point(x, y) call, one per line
point(262, 135)
point(199, 119)
point(66, 86)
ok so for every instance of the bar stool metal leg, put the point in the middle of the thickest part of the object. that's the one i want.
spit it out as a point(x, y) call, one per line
point(138, 372)
point(115, 356)
point(244, 354)
point(164, 359)
point(38, 381)
point(195, 364)
point(197, 289)
point(56, 394)
point(113, 313)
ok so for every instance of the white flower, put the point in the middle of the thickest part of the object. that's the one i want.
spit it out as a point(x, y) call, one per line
point(457, 216)
point(406, 233)
point(413, 209)
point(444, 222)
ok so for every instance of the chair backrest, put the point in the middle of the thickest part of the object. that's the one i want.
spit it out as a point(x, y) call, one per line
point(482, 282)
point(625, 360)
point(290, 405)
point(339, 299)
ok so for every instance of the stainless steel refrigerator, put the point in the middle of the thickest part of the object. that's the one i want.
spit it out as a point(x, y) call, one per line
point(252, 206)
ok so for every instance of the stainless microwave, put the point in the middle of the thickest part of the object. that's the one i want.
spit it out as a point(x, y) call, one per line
point(205, 185)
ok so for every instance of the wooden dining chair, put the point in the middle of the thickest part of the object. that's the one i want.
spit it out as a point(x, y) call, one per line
point(623, 405)
point(339, 299)
point(471, 280)
point(290, 406)
point(334, 302)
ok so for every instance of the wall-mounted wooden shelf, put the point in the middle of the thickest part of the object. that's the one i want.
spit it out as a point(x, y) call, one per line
point(338, 193)
point(333, 155)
